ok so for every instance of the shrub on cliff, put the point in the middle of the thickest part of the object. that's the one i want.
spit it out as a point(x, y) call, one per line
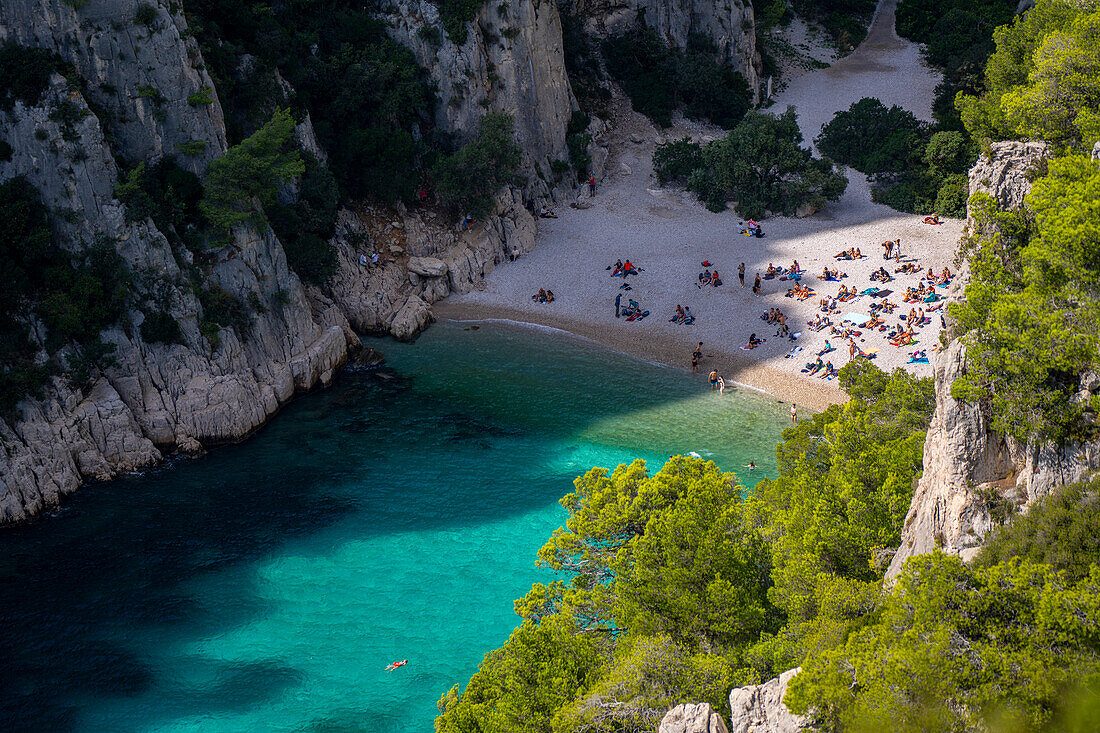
point(24, 75)
point(659, 78)
point(953, 648)
point(306, 226)
point(250, 173)
point(1031, 317)
point(466, 181)
point(1061, 530)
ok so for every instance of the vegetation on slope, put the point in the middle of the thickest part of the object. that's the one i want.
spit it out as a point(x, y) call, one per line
point(682, 585)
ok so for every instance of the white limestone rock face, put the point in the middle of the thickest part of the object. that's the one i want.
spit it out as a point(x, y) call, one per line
point(156, 397)
point(730, 24)
point(421, 261)
point(760, 708)
point(147, 76)
point(692, 718)
point(968, 467)
point(511, 61)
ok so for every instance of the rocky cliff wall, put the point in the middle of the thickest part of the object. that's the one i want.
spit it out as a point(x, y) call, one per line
point(970, 470)
point(511, 61)
point(160, 398)
point(729, 24)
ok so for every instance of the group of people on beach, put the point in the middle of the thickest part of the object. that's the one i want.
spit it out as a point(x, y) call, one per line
point(544, 295)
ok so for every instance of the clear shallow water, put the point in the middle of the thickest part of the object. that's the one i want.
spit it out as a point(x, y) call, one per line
point(266, 586)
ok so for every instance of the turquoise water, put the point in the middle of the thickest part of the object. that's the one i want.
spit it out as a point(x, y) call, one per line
point(395, 515)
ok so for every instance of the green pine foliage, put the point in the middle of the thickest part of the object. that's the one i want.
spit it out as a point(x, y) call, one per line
point(681, 584)
point(1031, 318)
point(1043, 80)
point(760, 163)
point(660, 78)
point(249, 174)
point(467, 180)
point(306, 227)
point(24, 75)
point(1061, 530)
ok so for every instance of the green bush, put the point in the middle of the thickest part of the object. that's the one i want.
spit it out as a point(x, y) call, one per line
point(86, 357)
point(917, 20)
point(467, 181)
point(250, 172)
point(1031, 317)
point(873, 139)
point(760, 163)
point(1061, 530)
point(577, 139)
point(146, 14)
point(952, 196)
point(677, 160)
point(85, 298)
point(201, 98)
point(846, 21)
point(306, 227)
point(24, 75)
point(659, 78)
point(224, 309)
point(160, 327)
point(166, 193)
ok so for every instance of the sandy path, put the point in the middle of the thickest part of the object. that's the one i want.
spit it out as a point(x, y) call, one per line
point(668, 234)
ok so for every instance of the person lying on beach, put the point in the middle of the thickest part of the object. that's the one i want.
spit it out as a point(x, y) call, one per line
point(832, 275)
point(814, 368)
point(848, 254)
point(908, 268)
point(932, 220)
point(546, 213)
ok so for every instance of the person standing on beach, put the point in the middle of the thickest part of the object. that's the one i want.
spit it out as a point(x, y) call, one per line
point(741, 273)
point(618, 299)
point(713, 379)
point(695, 357)
point(794, 412)
point(756, 285)
point(591, 185)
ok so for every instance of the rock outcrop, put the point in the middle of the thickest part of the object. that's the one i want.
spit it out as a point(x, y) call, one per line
point(692, 718)
point(154, 397)
point(760, 708)
point(511, 61)
point(971, 473)
point(729, 24)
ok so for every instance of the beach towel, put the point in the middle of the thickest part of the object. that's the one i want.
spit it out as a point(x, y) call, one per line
point(857, 319)
point(870, 291)
point(921, 360)
point(932, 298)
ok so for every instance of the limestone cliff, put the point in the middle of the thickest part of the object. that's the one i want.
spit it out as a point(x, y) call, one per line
point(760, 708)
point(156, 397)
point(970, 470)
point(511, 61)
point(141, 92)
point(729, 24)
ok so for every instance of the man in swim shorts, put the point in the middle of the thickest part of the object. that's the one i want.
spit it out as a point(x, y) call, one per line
point(695, 357)
point(713, 378)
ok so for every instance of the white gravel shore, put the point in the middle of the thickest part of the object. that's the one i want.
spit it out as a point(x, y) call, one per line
point(668, 234)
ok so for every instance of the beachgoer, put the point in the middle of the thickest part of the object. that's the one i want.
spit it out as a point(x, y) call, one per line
point(618, 299)
point(713, 378)
point(756, 285)
point(741, 273)
point(591, 186)
point(751, 465)
point(515, 253)
point(721, 385)
point(695, 357)
point(714, 279)
point(549, 295)
point(395, 665)
point(363, 260)
point(466, 221)
point(794, 412)
point(374, 258)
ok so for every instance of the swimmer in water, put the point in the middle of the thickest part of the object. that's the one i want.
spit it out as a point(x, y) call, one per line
point(395, 665)
point(751, 465)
